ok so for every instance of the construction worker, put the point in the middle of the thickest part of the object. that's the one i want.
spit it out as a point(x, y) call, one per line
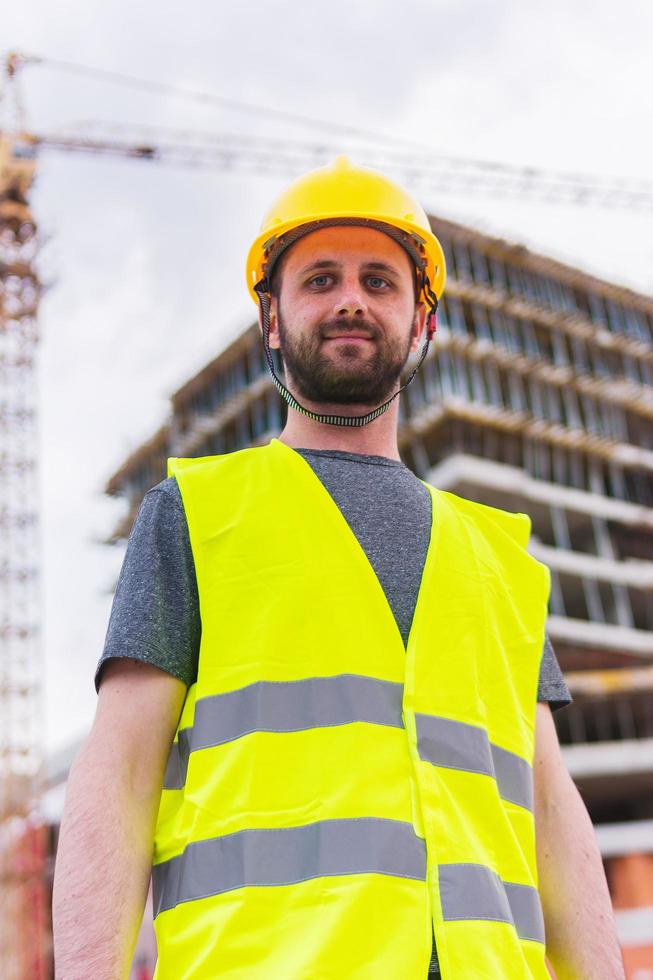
point(324, 697)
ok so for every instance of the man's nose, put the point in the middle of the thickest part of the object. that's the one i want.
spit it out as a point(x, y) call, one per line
point(351, 301)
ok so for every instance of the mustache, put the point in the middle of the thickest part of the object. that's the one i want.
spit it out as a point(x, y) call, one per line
point(335, 327)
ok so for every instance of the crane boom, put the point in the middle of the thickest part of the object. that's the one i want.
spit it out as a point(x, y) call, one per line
point(436, 173)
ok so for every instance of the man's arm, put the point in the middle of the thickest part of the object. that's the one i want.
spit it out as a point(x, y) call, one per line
point(105, 845)
point(581, 940)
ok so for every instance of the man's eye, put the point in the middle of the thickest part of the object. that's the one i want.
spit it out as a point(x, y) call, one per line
point(322, 280)
point(376, 282)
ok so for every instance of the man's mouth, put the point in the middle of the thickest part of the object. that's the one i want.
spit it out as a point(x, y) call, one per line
point(349, 336)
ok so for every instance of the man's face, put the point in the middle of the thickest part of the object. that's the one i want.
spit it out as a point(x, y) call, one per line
point(345, 319)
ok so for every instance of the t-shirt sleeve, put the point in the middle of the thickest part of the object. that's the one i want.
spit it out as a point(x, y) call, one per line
point(552, 685)
point(155, 613)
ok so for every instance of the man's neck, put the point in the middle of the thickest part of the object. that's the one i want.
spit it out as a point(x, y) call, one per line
point(377, 438)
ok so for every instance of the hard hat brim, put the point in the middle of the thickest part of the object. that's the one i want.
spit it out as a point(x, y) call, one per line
point(424, 241)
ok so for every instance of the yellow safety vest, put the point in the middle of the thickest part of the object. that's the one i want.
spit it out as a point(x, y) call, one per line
point(331, 794)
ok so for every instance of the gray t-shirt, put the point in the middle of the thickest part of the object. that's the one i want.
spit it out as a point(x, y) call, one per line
point(155, 614)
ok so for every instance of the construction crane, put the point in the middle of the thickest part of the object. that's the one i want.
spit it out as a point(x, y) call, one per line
point(23, 894)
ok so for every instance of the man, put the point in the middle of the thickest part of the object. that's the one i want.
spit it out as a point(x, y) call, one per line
point(332, 669)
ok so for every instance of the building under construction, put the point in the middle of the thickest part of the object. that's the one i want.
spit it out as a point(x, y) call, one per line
point(537, 396)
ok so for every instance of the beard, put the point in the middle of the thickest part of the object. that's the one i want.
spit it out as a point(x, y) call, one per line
point(354, 375)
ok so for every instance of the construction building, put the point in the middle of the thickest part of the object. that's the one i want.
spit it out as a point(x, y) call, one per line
point(537, 396)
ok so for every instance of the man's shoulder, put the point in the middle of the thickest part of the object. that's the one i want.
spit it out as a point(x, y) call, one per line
point(168, 488)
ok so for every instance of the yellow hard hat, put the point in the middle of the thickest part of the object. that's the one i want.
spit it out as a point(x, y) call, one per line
point(343, 194)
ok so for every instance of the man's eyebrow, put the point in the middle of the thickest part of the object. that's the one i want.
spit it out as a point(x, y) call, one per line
point(380, 267)
point(321, 264)
point(334, 264)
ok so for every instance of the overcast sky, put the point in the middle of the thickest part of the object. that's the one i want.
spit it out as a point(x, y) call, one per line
point(145, 261)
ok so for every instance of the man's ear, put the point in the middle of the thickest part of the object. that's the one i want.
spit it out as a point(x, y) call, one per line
point(417, 329)
point(274, 323)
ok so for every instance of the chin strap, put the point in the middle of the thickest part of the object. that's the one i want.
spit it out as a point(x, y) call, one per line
point(263, 290)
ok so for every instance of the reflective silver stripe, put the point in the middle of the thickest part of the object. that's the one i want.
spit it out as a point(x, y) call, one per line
point(366, 845)
point(175, 774)
point(474, 891)
point(526, 911)
point(285, 706)
point(457, 745)
point(454, 744)
point(514, 776)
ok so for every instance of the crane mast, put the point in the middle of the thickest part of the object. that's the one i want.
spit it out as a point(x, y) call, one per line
point(22, 854)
